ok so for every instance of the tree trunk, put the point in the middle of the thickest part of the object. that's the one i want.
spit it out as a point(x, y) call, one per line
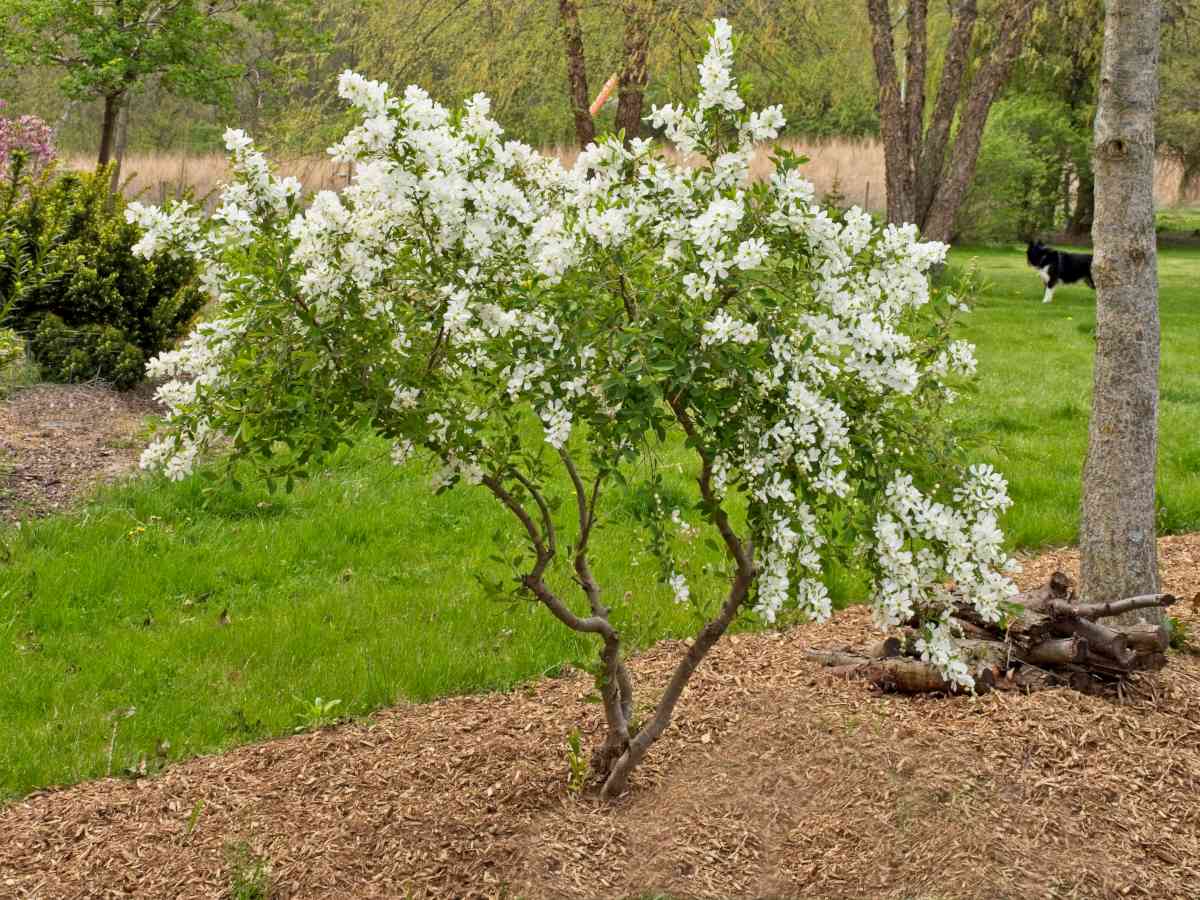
point(577, 89)
point(1085, 205)
point(893, 120)
point(985, 87)
point(108, 127)
point(933, 151)
point(1117, 534)
point(122, 141)
point(921, 187)
point(633, 73)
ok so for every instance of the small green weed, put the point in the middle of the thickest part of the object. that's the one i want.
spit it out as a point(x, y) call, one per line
point(249, 874)
point(1180, 635)
point(577, 765)
point(316, 714)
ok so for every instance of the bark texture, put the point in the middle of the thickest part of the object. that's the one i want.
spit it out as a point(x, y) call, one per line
point(577, 87)
point(108, 128)
point(633, 74)
point(927, 173)
point(1117, 535)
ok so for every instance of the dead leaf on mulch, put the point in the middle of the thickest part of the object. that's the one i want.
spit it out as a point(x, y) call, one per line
point(805, 787)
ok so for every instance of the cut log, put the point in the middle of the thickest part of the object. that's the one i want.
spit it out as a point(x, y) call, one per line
point(1117, 607)
point(1060, 652)
point(905, 676)
point(1106, 641)
point(840, 658)
point(1044, 640)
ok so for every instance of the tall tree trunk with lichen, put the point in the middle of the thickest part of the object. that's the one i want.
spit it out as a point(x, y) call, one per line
point(577, 87)
point(1117, 534)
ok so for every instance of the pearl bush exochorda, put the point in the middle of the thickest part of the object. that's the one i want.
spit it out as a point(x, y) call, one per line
point(463, 288)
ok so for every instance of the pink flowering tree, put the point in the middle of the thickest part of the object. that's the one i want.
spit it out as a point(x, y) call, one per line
point(29, 135)
point(529, 330)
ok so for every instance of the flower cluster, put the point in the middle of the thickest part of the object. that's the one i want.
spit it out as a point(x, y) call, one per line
point(463, 286)
point(27, 134)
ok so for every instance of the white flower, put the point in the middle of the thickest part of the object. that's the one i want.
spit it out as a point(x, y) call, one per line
point(680, 587)
point(751, 253)
point(722, 328)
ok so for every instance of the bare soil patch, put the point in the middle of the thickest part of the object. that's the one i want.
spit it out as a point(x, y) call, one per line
point(774, 781)
point(57, 441)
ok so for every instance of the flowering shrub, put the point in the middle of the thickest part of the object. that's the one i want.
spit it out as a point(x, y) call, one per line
point(463, 288)
point(29, 135)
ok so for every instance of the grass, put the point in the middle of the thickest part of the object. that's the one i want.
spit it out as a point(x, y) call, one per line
point(163, 620)
point(1030, 415)
point(220, 618)
point(1181, 219)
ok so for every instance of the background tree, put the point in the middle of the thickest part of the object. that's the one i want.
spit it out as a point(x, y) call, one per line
point(107, 49)
point(577, 84)
point(1117, 535)
point(927, 173)
point(1178, 122)
point(1063, 71)
point(639, 19)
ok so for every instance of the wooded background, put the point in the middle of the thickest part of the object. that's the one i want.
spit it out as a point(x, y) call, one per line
point(279, 62)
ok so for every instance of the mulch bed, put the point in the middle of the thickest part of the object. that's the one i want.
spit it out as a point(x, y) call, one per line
point(775, 780)
point(57, 441)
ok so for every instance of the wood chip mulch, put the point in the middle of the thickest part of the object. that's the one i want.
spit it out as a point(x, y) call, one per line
point(775, 780)
point(57, 441)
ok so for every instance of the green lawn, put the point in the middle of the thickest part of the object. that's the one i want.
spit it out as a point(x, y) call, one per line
point(359, 586)
point(1030, 415)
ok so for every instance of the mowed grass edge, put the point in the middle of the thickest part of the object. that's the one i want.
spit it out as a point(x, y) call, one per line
point(165, 620)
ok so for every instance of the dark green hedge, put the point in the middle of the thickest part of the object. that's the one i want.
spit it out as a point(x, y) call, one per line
point(72, 285)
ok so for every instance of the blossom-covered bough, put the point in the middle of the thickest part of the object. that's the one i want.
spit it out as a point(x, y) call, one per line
point(525, 326)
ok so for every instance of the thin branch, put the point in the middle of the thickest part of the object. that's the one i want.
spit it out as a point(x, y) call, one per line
point(543, 508)
point(494, 485)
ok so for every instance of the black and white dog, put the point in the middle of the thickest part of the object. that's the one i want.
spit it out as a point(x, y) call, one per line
point(1056, 266)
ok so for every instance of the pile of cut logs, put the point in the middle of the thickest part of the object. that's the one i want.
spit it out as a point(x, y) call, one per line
point(1049, 640)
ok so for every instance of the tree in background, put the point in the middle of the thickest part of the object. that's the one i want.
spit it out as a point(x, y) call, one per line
point(1178, 125)
point(927, 173)
point(577, 84)
point(107, 48)
point(639, 21)
point(1117, 534)
point(1062, 72)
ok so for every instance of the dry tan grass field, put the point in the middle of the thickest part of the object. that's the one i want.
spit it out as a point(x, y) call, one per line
point(853, 167)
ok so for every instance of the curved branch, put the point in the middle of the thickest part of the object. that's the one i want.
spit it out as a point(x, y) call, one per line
point(544, 509)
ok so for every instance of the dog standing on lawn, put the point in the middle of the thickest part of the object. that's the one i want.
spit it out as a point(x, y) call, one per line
point(1055, 266)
